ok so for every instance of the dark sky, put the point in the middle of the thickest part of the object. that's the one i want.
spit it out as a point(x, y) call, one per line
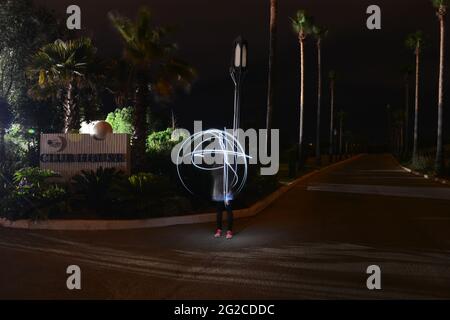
point(367, 62)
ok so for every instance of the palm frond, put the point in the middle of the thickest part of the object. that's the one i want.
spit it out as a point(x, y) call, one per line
point(440, 3)
point(302, 23)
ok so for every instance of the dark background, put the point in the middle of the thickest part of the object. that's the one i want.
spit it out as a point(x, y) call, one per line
point(368, 63)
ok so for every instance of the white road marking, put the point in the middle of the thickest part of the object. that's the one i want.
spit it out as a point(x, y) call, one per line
point(395, 191)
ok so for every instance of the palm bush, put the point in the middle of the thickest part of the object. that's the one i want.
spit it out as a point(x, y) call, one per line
point(95, 190)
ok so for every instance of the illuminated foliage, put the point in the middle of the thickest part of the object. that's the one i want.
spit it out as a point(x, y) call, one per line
point(121, 120)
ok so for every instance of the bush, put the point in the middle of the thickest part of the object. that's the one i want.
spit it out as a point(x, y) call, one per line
point(7, 169)
point(147, 184)
point(97, 190)
point(422, 163)
point(32, 195)
point(147, 194)
point(161, 141)
point(159, 148)
point(33, 176)
point(121, 120)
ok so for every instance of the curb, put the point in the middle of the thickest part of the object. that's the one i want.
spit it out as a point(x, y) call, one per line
point(97, 225)
point(426, 176)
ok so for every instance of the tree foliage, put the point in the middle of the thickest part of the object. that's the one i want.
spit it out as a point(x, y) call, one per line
point(121, 120)
point(415, 41)
point(302, 23)
point(154, 69)
point(24, 28)
point(60, 69)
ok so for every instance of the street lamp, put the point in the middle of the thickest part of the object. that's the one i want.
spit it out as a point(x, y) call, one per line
point(238, 70)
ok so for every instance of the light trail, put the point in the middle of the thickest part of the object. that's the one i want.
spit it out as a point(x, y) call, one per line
point(232, 154)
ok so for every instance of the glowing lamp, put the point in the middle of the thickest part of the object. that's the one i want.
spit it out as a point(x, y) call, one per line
point(240, 52)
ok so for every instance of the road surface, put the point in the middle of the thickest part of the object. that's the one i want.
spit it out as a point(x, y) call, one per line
point(316, 241)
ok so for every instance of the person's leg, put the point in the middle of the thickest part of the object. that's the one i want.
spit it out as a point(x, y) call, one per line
point(219, 216)
point(230, 217)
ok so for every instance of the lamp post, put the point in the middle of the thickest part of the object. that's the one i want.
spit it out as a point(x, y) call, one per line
point(238, 70)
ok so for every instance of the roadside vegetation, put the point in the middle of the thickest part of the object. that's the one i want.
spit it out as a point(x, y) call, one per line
point(405, 122)
point(52, 81)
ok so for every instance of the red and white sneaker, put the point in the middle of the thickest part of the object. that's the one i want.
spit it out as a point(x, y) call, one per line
point(218, 233)
point(229, 234)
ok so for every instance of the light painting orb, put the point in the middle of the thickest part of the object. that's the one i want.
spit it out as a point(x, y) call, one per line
point(214, 152)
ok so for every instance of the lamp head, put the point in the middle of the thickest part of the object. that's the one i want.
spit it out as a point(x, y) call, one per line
point(240, 55)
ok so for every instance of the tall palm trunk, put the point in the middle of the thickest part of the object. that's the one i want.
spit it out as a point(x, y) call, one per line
point(402, 138)
point(416, 107)
point(439, 164)
point(272, 65)
point(302, 96)
point(319, 100)
point(173, 119)
point(406, 133)
point(332, 85)
point(140, 122)
point(341, 132)
point(71, 117)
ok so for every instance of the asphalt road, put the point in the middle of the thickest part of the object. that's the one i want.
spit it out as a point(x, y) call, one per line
point(316, 241)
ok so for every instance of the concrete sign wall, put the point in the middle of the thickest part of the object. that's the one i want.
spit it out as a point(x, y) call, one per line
point(68, 154)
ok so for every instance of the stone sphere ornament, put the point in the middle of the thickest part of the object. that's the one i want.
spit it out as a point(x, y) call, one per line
point(101, 130)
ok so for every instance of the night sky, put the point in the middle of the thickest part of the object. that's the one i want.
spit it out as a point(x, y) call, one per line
point(368, 63)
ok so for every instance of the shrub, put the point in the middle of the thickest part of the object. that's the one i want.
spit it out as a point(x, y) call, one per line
point(7, 169)
point(121, 120)
point(32, 195)
point(161, 141)
point(146, 194)
point(147, 184)
point(35, 205)
point(422, 163)
point(97, 189)
point(159, 148)
point(33, 176)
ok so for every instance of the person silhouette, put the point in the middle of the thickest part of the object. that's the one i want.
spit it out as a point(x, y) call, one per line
point(223, 200)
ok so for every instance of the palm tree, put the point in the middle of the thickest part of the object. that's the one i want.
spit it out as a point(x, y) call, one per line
point(397, 122)
point(272, 64)
point(441, 7)
point(348, 142)
point(120, 82)
point(154, 69)
point(319, 33)
point(302, 25)
point(332, 78)
point(415, 42)
point(341, 117)
point(407, 70)
point(62, 67)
